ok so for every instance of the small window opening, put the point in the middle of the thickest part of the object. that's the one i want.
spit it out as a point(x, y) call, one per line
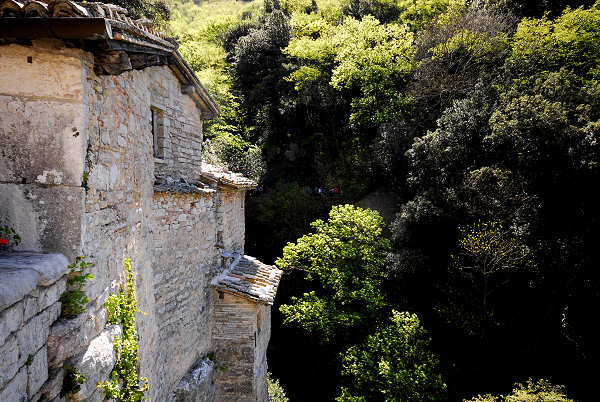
point(158, 133)
point(221, 295)
point(29, 59)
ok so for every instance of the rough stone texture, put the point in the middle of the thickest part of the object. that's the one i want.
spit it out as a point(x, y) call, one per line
point(11, 319)
point(16, 390)
point(97, 361)
point(93, 193)
point(52, 387)
point(237, 346)
point(198, 385)
point(37, 372)
point(41, 114)
point(15, 283)
point(69, 337)
point(47, 218)
point(51, 267)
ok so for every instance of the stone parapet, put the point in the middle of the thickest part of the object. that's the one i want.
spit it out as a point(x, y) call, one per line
point(30, 288)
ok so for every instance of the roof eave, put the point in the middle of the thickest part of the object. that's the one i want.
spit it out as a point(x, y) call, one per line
point(56, 27)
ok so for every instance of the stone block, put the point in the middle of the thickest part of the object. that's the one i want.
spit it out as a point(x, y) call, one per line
point(31, 306)
point(11, 319)
point(198, 385)
point(15, 283)
point(51, 294)
point(31, 125)
point(97, 361)
point(69, 337)
point(37, 372)
point(16, 390)
point(53, 385)
point(9, 360)
point(51, 267)
point(33, 336)
point(56, 68)
point(48, 219)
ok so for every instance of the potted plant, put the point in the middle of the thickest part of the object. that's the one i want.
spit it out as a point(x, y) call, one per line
point(8, 234)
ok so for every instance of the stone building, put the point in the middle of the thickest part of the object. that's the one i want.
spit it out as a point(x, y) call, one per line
point(100, 156)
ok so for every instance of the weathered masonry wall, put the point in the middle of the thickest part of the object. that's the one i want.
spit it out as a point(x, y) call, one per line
point(42, 144)
point(184, 257)
point(234, 341)
point(263, 335)
point(30, 287)
point(230, 220)
point(77, 177)
point(170, 237)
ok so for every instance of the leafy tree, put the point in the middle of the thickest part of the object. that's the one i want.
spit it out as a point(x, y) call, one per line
point(486, 249)
point(538, 391)
point(393, 364)
point(373, 58)
point(343, 259)
point(276, 391)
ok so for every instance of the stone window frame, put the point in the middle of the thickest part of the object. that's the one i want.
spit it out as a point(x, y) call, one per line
point(157, 126)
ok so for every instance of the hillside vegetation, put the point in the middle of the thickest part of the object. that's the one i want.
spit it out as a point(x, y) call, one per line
point(484, 117)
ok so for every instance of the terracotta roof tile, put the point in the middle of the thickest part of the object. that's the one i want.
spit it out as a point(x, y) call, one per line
point(242, 279)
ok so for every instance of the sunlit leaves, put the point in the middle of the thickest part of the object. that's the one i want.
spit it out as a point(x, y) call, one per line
point(343, 258)
point(393, 364)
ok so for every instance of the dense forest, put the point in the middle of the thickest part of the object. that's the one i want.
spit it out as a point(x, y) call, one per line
point(483, 118)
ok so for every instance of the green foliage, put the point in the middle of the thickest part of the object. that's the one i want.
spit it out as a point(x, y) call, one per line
point(393, 364)
point(417, 13)
point(73, 301)
point(365, 55)
point(9, 233)
point(156, 10)
point(539, 391)
point(233, 153)
point(487, 247)
point(291, 207)
point(571, 41)
point(72, 381)
point(343, 257)
point(29, 360)
point(276, 391)
point(374, 58)
point(125, 384)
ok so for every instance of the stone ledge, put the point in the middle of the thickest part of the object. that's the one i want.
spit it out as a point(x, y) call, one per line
point(15, 284)
point(51, 267)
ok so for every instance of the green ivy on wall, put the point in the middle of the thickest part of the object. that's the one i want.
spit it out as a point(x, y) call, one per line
point(125, 383)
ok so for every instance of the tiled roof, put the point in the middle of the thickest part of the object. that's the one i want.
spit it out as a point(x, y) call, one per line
point(168, 185)
point(123, 28)
point(215, 175)
point(251, 279)
point(110, 29)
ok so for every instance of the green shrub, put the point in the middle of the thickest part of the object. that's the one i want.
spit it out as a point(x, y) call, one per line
point(73, 301)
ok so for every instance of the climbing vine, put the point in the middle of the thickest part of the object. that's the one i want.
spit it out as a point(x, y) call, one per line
point(73, 301)
point(125, 384)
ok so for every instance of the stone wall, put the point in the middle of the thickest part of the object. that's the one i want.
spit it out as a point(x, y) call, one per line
point(30, 288)
point(235, 341)
point(42, 144)
point(263, 335)
point(92, 193)
point(230, 220)
point(184, 260)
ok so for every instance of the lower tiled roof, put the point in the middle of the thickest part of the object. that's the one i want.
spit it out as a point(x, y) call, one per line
point(251, 279)
point(216, 175)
